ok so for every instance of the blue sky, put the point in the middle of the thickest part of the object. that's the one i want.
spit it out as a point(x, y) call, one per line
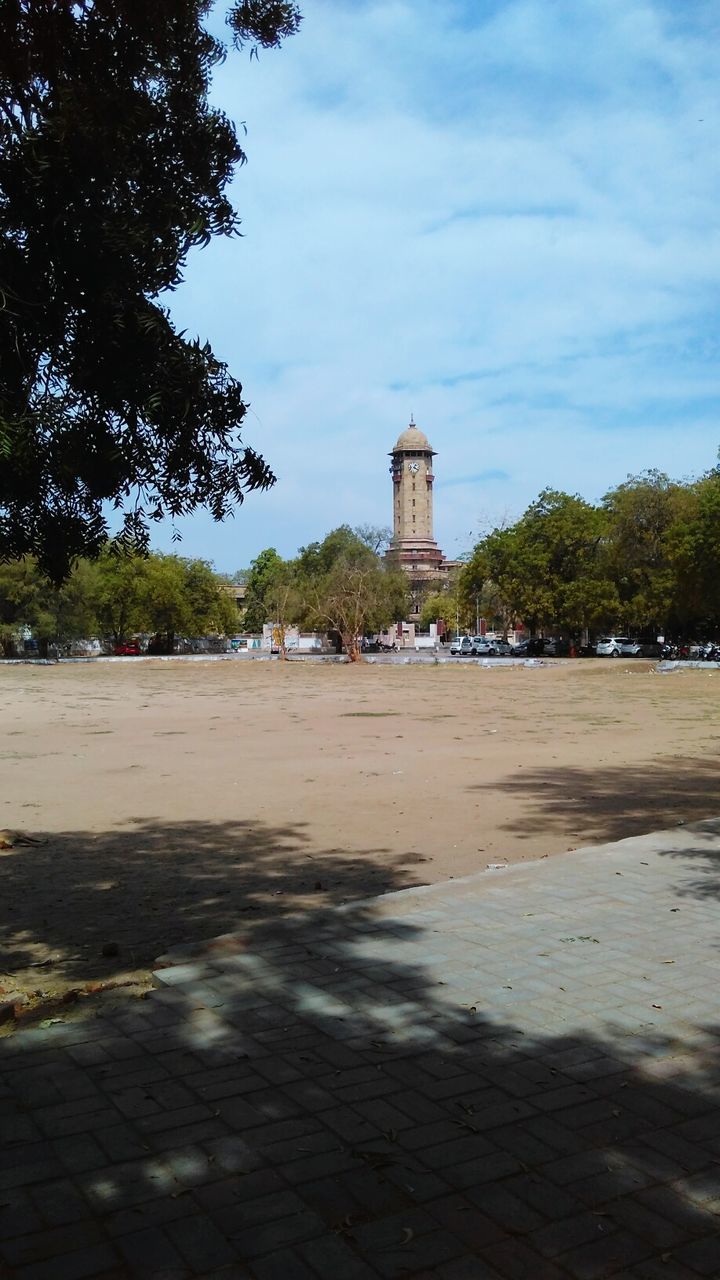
point(499, 215)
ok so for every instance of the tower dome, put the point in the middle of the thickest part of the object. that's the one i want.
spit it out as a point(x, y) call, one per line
point(412, 438)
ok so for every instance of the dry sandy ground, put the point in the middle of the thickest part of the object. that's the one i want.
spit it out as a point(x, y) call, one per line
point(180, 801)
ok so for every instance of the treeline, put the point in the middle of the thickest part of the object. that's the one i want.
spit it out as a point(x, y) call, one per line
point(114, 597)
point(341, 585)
point(645, 559)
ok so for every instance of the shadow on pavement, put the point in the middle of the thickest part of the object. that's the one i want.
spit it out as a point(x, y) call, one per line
point(312, 1098)
point(145, 889)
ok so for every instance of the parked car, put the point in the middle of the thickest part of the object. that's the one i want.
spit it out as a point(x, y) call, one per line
point(503, 648)
point(483, 648)
point(129, 650)
point(534, 647)
point(618, 646)
point(461, 647)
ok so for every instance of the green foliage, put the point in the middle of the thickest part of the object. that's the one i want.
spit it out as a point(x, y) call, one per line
point(343, 585)
point(29, 600)
point(641, 513)
point(183, 597)
point(260, 580)
point(118, 595)
point(548, 568)
point(647, 558)
point(455, 611)
point(317, 559)
point(20, 602)
point(113, 166)
point(694, 548)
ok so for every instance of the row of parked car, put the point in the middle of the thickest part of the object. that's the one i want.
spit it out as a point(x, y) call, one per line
point(481, 647)
point(539, 647)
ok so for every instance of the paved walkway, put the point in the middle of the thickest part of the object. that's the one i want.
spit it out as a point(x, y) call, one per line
point(512, 1076)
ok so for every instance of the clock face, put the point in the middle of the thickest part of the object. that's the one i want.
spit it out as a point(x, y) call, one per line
point(413, 467)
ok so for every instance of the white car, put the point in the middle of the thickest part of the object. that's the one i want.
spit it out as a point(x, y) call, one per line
point(462, 646)
point(618, 646)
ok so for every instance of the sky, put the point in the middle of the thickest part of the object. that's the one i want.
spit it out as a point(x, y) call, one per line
point(500, 216)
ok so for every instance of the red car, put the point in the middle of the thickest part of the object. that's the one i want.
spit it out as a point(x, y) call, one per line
point(130, 650)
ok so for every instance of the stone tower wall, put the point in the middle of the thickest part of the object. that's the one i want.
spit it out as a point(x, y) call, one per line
point(412, 498)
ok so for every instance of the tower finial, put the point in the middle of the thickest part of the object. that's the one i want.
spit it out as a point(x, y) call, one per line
point(412, 419)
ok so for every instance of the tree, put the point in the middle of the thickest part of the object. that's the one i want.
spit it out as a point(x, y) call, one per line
point(113, 166)
point(20, 602)
point(263, 571)
point(358, 594)
point(637, 552)
point(118, 592)
point(184, 597)
point(694, 548)
point(548, 568)
point(283, 602)
point(447, 606)
point(376, 537)
point(318, 558)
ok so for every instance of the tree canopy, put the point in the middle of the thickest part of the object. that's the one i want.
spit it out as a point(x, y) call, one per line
point(645, 558)
point(115, 596)
point(113, 166)
point(339, 584)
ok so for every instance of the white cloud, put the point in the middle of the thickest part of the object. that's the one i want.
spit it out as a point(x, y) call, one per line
point(502, 217)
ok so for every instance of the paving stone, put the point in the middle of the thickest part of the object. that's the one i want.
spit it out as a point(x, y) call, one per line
point(122, 1142)
point(491, 1137)
point(332, 1259)
point(478, 1173)
point(517, 1260)
point(467, 1268)
point(150, 1251)
point(659, 1231)
point(283, 1264)
point(96, 1260)
point(665, 1267)
point(322, 1165)
point(295, 1148)
point(50, 1242)
point(465, 1221)
point(149, 1213)
point(253, 1242)
point(462, 1147)
point(701, 1255)
point(78, 1153)
point(605, 1257)
point(203, 1131)
point(551, 1201)
point(570, 1233)
point(59, 1202)
point(200, 1242)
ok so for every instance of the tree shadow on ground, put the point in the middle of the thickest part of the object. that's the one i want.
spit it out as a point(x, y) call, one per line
point(595, 803)
point(158, 884)
point(318, 1097)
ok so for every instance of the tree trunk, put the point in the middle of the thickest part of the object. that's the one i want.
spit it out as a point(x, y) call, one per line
point(353, 649)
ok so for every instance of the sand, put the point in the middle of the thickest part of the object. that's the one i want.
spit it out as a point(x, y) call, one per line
point(180, 801)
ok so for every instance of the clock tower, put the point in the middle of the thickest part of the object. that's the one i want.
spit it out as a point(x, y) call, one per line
point(413, 547)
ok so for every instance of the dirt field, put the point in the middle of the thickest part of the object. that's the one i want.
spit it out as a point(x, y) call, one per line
point(179, 801)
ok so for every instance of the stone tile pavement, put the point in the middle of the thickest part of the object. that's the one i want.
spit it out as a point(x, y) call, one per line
point(512, 1076)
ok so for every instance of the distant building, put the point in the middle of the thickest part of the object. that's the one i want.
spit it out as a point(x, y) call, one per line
point(413, 548)
point(237, 591)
